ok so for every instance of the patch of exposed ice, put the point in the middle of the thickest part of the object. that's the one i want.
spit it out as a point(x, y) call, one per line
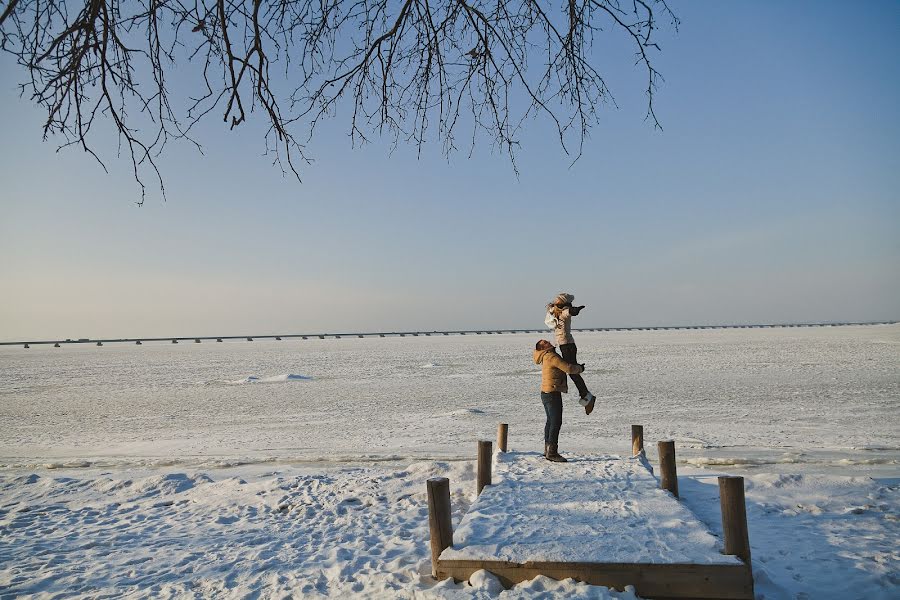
point(466, 412)
point(69, 464)
point(274, 379)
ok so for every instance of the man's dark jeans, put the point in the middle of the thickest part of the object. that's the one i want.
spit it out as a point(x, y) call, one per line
point(569, 354)
point(553, 407)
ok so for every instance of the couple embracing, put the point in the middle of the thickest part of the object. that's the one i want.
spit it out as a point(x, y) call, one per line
point(554, 369)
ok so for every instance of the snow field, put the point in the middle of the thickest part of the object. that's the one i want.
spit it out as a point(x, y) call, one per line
point(357, 532)
point(745, 396)
point(362, 532)
point(139, 472)
point(812, 536)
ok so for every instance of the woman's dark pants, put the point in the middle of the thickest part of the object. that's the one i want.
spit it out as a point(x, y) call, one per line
point(553, 407)
point(569, 354)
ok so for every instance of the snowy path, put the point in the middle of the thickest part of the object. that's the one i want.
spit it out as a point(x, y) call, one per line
point(599, 509)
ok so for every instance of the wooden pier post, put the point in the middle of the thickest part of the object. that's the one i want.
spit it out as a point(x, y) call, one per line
point(734, 517)
point(483, 476)
point(637, 439)
point(668, 476)
point(502, 436)
point(439, 519)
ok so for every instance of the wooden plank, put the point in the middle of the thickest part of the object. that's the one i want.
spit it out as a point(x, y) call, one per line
point(659, 581)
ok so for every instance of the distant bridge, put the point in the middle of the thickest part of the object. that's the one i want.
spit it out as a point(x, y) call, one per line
point(383, 334)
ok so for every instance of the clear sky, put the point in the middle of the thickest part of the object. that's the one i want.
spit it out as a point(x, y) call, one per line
point(772, 195)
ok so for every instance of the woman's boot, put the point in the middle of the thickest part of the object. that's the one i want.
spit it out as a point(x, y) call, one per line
point(553, 453)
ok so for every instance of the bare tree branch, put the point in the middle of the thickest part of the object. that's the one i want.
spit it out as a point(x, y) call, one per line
point(411, 70)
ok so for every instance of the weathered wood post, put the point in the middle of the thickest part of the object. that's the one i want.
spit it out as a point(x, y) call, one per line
point(439, 520)
point(734, 517)
point(484, 464)
point(668, 476)
point(502, 435)
point(637, 439)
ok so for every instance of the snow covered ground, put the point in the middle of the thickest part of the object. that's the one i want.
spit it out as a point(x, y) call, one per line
point(160, 471)
point(597, 508)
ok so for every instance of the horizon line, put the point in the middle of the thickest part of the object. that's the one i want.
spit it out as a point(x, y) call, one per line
point(447, 332)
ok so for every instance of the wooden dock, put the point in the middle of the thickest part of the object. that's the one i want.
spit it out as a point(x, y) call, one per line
point(601, 519)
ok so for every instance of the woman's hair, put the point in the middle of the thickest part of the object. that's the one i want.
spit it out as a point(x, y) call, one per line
point(542, 344)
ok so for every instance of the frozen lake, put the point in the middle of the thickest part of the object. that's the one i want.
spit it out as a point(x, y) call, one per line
point(298, 468)
point(823, 397)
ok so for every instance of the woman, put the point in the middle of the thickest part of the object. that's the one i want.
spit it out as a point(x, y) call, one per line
point(562, 311)
point(553, 385)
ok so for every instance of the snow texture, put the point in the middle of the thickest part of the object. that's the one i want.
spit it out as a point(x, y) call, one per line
point(603, 509)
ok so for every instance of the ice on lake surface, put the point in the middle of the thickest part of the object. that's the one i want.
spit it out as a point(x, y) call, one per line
point(824, 396)
point(297, 468)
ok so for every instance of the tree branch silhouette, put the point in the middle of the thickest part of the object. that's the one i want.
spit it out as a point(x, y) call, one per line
point(412, 70)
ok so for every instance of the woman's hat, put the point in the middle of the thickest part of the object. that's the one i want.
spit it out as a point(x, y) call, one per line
point(564, 298)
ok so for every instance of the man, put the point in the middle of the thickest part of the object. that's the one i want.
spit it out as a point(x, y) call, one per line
point(553, 384)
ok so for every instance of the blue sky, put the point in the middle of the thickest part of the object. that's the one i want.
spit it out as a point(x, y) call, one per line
point(772, 195)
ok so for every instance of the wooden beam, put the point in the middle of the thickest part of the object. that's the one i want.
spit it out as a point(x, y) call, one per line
point(734, 516)
point(659, 581)
point(637, 439)
point(483, 475)
point(668, 476)
point(439, 518)
point(502, 436)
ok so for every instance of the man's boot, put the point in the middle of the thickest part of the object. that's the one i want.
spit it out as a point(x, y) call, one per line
point(553, 453)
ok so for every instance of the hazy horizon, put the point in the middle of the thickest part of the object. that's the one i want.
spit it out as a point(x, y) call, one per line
point(230, 336)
